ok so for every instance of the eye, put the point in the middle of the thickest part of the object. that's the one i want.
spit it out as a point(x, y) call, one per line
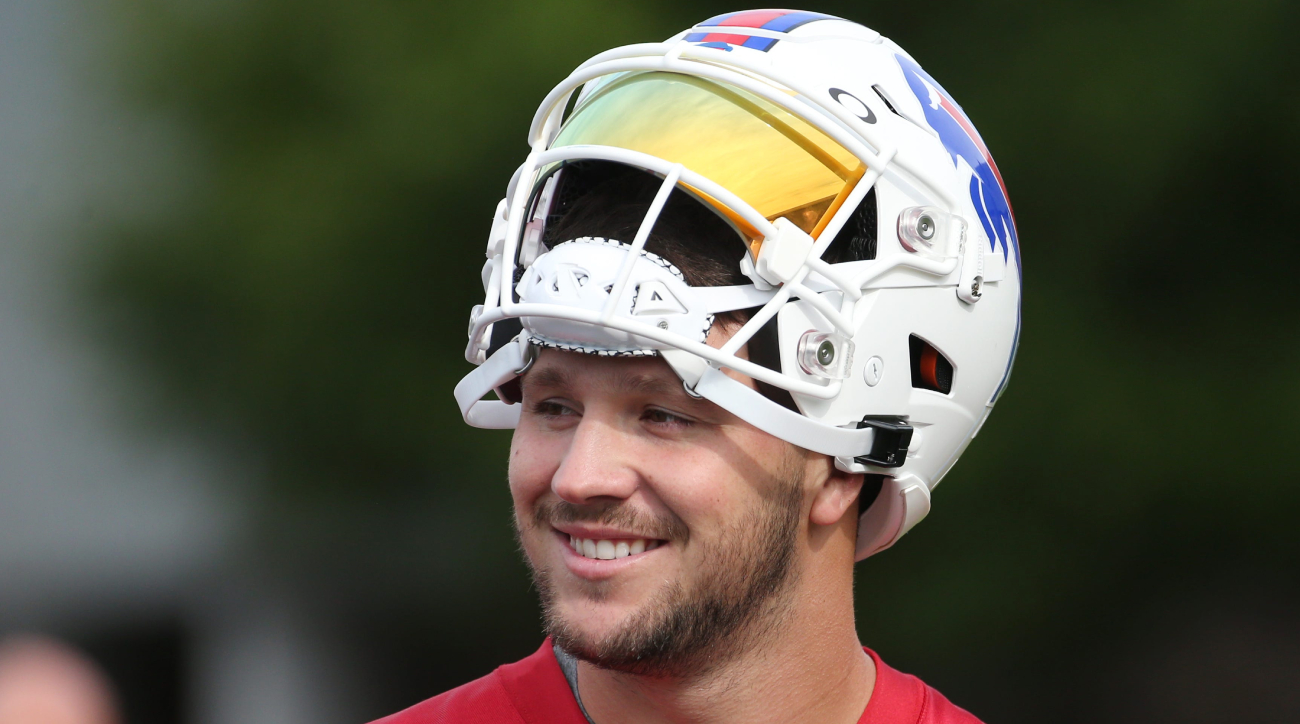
point(552, 408)
point(657, 416)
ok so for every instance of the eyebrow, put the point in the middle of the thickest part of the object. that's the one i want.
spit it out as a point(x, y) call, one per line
point(547, 377)
point(646, 385)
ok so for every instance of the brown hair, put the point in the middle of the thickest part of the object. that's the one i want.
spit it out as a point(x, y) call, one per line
point(609, 200)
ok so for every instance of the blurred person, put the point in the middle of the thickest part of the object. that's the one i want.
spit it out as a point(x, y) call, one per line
point(44, 681)
point(748, 299)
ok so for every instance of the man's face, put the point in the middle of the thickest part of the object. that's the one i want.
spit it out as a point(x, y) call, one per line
point(662, 530)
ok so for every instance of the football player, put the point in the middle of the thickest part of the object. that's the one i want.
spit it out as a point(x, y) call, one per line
point(748, 298)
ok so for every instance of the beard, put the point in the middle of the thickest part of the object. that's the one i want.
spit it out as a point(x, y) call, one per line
point(733, 600)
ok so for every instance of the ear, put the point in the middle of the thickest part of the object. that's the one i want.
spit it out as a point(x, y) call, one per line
point(836, 496)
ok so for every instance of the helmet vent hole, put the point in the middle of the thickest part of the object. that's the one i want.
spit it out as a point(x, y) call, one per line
point(571, 104)
point(885, 97)
point(930, 369)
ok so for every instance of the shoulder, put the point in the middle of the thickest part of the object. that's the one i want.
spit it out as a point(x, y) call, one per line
point(901, 698)
point(530, 691)
point(938, 710)
point(482, 700)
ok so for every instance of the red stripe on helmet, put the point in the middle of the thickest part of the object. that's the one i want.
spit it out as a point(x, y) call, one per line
point(726, 38)
point(753, 18)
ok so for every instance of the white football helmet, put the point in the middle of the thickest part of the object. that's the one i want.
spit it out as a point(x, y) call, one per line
point(790, 125)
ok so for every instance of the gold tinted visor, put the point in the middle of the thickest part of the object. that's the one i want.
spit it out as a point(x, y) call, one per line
point(770, 158)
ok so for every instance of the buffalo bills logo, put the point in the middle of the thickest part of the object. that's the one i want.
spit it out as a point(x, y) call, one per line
point(987, 190)
point(779, 21)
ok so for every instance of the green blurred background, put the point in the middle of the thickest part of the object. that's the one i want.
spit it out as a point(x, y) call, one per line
point(286, 281)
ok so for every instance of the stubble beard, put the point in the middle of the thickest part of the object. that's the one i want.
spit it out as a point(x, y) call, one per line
point(739, 595)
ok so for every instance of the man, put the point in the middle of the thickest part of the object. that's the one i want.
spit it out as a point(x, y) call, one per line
point(748, 299)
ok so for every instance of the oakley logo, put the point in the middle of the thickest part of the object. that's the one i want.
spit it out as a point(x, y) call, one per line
point(853, 104)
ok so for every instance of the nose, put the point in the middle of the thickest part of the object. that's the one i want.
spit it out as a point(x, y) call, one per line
point(598, 465)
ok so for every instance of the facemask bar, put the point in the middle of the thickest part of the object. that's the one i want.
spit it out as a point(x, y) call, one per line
point(682, 57)
point(686, 58)
point(638, 243)
point(502, 305)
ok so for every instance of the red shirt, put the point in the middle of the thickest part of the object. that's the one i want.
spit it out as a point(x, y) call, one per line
point(534, 691)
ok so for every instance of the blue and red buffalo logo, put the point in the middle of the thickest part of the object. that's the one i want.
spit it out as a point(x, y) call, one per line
point(779, 21)
point(959, 136)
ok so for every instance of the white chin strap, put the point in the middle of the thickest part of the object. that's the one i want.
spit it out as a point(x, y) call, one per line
point(512, 360)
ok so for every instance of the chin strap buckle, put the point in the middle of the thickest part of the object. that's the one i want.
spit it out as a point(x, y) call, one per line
point(889, 444)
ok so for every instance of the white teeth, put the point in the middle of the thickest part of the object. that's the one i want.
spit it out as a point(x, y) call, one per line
point(605, 550)
point(608, 550)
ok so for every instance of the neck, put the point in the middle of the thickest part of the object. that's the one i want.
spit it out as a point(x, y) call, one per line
point(808, 668)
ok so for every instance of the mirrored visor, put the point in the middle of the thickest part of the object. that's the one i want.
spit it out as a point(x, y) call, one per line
point(773, 160)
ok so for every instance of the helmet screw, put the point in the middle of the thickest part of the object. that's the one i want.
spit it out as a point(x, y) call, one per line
point(975, 288)
point(925, 227)
point(663, 324)
point(918, 228)
point(826, 352)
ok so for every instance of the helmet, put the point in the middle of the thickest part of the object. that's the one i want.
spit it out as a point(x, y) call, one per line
point(872, 225)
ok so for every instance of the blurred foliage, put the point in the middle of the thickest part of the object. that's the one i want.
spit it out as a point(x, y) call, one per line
point(305, 295)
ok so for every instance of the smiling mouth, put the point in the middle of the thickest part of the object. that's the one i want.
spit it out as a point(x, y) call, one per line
point(608, 550)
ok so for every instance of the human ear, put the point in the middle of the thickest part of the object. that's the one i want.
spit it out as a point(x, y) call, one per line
point(835, 496)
